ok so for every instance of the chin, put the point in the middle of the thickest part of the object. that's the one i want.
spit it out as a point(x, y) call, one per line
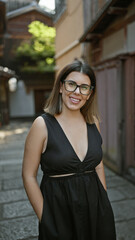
point(74, 108)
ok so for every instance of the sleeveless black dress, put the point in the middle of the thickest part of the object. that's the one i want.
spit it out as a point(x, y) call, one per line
point(76, 207)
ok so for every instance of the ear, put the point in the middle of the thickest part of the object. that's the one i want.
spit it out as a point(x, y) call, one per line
point(89, 95)
point(61, 87)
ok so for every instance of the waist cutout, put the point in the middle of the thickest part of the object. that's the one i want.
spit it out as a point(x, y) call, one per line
point(69, 174)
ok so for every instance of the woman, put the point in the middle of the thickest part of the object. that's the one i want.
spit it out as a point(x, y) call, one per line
point(72, 201)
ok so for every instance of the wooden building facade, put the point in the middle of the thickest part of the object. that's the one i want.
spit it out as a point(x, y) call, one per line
point(33, 87)
point(108, 44)
point(111, 37)
point(5, 73)
point(69, 27)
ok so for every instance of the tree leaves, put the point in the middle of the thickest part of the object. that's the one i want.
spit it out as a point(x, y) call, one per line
point(39, 51)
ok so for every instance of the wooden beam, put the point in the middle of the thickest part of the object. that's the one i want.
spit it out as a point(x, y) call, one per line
point(120, 24)
point(93, 36)
point(117, 11)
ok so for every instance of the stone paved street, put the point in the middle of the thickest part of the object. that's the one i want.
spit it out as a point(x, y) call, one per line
point(17, 219)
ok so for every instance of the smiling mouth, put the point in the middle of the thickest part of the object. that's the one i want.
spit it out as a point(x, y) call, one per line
point(74, 100)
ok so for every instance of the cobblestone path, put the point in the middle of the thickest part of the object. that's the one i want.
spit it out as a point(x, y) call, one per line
point(17, 218)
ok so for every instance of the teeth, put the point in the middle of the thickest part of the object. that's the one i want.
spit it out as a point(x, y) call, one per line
point(75, 100)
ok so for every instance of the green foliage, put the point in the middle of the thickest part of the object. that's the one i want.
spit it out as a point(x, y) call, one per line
point(37, 54)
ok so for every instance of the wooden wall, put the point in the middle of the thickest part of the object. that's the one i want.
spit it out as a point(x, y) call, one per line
point(17, 27)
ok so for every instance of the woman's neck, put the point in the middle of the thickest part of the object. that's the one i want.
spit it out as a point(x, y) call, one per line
point(72, 116)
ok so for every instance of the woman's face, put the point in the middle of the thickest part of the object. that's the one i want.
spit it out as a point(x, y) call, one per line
point(75, 100)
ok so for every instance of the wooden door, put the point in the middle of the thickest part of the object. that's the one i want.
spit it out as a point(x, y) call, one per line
point(40, 99)
point(110, 98)
point(130, 111)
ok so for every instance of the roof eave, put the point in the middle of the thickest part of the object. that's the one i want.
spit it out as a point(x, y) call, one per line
point(107, 10)
point(6, 72)
point(27, 9)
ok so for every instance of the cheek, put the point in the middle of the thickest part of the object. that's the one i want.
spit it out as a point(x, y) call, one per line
point(64, 94)
point(85, 98)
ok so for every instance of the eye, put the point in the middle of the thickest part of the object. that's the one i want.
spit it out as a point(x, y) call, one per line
point(71, 84)
point(85, 87)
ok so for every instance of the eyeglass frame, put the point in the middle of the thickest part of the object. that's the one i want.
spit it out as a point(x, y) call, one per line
point(90, 87)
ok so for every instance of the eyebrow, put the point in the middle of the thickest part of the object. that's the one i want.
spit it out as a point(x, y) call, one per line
point(76, 83)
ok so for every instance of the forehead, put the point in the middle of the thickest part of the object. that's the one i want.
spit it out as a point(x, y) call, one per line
point(78, 77)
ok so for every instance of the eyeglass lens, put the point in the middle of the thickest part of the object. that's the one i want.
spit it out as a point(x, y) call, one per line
point(71, 86)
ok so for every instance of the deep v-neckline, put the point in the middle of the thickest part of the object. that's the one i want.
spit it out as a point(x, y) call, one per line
point(70, 142)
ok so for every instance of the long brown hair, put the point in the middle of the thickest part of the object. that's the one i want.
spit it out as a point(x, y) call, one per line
point(89, 110)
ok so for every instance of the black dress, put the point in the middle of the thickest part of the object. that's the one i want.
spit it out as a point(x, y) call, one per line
point(76, 207)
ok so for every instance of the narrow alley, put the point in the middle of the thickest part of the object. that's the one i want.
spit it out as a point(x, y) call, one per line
point(17, 218)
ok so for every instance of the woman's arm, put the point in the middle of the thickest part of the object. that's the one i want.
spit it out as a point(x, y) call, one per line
point(35, 141)
point(100, 166)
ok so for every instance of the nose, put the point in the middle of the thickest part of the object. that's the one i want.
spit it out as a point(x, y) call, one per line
point(77, 90)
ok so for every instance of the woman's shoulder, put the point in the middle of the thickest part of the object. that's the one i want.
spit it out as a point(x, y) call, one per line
point(39, 122)
point(39, 127)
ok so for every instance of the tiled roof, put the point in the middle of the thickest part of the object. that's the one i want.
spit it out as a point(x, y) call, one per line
point(28, 8)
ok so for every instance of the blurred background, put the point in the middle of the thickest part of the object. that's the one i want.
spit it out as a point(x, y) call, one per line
point(37, 39)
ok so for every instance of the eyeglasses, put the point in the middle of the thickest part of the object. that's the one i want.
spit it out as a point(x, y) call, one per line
point(71, 86)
